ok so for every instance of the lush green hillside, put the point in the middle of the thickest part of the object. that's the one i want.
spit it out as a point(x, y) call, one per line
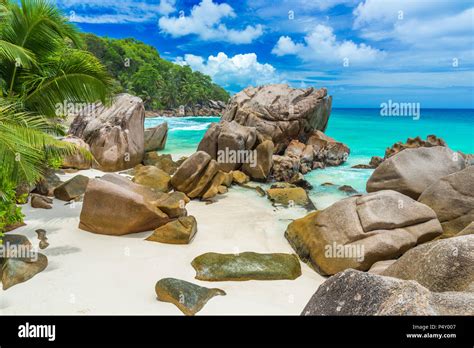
point(138, 69)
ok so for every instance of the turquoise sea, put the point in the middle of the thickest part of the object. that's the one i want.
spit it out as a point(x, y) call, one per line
point(365, 132)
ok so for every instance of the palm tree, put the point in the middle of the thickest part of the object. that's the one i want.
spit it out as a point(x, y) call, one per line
point(49, 66)
point(41, 66)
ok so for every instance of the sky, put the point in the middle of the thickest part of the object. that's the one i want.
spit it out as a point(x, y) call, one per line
point(364, 52)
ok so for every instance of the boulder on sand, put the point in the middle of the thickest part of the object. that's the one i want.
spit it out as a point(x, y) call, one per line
point(71, 189)
point(199, 177)
point(155, 138)
point(353, 292)
point(172, 204)
point(440, 265)
point(115, 134)
point(41, 202)
point(280, 113)
point(48, 183)
point(239, 177)
point(452, 199)
point(78, 160)
point(411, 171)
point(246, 266)
point(188, 297)
point(179, 231)
point(358, 231)
point(193, 175)
point(289, 195)
point(16, 268)
point(114, 205)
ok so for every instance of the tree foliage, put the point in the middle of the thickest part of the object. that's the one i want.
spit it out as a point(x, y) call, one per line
point(138, 69)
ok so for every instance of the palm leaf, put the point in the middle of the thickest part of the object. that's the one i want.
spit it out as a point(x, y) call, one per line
point(75, 77)
point(26, 144)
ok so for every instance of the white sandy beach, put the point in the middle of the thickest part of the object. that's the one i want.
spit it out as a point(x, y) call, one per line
point(98, 274)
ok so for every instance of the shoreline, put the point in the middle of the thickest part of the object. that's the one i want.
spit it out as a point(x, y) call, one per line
point(154, 114)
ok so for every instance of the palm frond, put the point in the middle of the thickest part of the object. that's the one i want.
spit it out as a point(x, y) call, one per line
point(75, 77)
point(26, 144)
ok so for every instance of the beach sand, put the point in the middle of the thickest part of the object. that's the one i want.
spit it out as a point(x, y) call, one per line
point(96, 274)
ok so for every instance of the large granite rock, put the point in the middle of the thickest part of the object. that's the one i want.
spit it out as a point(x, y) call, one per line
point(280, 113)
point(225, 137)
point(195, 174)
point(78, 160)
point(358, 231)
point(275, 120)
point(155, 138)
point(188, 297)
point(246, 266)
point(114, 205)
point(353, 292)
point(452, 199)
point(440, 265)
point(115, 134)
point(411, 171)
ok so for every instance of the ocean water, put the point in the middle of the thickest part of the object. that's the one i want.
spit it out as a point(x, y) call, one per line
point(365, 132)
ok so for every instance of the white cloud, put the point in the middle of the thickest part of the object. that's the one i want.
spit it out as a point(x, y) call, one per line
point(321, 45)
point(205, 21)
point(238, 71)
point(116, 11)
point(453, 27)
point(388, 11)
point(418, 23)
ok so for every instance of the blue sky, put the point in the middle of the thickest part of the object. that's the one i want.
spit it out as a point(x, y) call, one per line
point(365, 52)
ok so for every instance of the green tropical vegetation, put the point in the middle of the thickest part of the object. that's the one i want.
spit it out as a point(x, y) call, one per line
point(137, 68)
point(42, 64)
